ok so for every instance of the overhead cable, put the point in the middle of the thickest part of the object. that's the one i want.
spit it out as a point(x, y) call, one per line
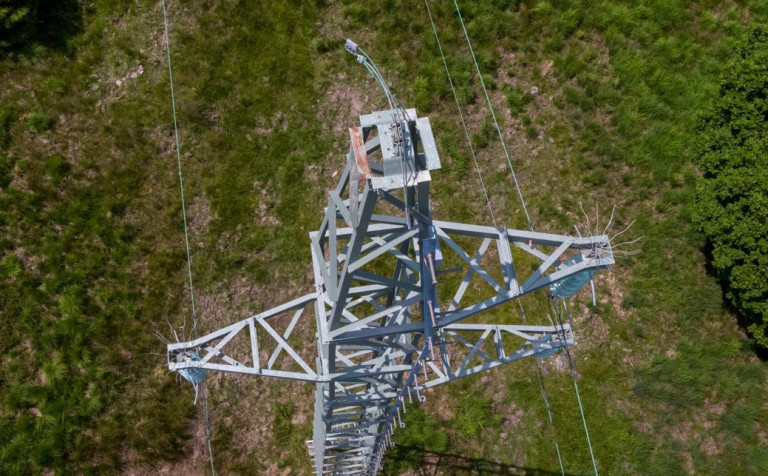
point(206, 417)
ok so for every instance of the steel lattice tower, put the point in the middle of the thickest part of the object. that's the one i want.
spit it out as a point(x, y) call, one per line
point(385, 330)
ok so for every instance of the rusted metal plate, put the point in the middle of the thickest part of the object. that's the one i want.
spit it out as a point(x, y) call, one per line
point(358, 149)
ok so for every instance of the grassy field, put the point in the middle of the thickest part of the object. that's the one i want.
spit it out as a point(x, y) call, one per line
point(92, 255)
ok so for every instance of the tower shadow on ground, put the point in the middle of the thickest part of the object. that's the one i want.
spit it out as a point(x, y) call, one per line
point(435, 463)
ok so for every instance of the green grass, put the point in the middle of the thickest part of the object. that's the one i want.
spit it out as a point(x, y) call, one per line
point(39, 121)
point(517, 99)
point(91, 244)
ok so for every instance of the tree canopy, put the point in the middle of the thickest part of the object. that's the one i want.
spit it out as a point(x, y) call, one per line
point(29, 22)
point(16, 23)
point(732, 196)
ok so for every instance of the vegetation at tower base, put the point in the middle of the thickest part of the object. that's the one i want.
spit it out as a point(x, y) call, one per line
point(732, 196)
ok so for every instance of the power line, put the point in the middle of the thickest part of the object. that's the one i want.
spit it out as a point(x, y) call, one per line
point(207, 422)
point(493, 116)
point(544, 397)
point(539, 377)
point(461, 115)
point(525, 209)
point(530, 225)
point(558, 313)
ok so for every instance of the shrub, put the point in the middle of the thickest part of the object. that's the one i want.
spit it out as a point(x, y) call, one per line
point(16, 24)
point(25, 23)
point(39, 122)
point(517, 99)
point(475, 414)
point(422, 433)
point(531, 132)
point(732, 196)
point(483, 137)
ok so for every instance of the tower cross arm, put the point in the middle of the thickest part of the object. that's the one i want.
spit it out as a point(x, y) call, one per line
point(236, 347)
point(569, 259)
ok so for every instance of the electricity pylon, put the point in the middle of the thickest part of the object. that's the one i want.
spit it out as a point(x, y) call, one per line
point(391, 318)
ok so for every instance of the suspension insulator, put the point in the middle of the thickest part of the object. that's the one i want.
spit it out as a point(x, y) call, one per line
point(193, 375)
point(568, 287)
point(544, 350)
point(545, 354)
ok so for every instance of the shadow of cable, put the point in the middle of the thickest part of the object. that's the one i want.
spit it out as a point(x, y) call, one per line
point(435, 463)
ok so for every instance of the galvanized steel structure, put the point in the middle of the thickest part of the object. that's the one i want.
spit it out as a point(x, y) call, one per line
point(391, 319)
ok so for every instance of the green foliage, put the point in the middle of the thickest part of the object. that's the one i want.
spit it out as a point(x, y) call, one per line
point(422, 97)
point(758, 460)
point(474, 415)
point(57, 168)
point(357, 12)
point(531, 132)
point(686, 381)
point(732, 197)
point(452, 144)
point(422, 433)
point(697, 371)
point(517, 99)
point(53, 84)
point(91, 252)
point(39, 121)
point(25, 23)
point(65, 361)
point(483, 137)
point(282, 426)
point(77, 382)
point(17, 21)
